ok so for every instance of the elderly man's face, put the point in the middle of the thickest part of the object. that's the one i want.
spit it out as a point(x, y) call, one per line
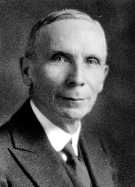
point(70, 68)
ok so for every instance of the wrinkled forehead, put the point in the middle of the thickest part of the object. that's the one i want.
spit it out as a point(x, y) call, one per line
point(71, 25)
point(74, 30)
point(75, 37)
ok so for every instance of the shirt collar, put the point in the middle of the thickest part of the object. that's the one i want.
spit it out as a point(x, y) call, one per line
point(57, 136)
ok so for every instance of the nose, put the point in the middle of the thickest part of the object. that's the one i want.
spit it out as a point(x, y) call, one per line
point(75, 77)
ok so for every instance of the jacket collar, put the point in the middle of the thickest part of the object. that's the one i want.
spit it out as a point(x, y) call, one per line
point(97, 160)
point(34, 153)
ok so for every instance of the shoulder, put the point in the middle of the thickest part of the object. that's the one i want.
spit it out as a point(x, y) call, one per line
point(6, 140)
point(20, 117)
point(102, 137)
point(4, 153)
point(7, 143)
point(4, 136)
point(103, 144)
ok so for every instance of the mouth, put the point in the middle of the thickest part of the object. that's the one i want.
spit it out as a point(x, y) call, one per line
point(71, 102)
point(72, 98)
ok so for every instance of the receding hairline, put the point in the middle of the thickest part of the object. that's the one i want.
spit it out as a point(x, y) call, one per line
point(64, 14)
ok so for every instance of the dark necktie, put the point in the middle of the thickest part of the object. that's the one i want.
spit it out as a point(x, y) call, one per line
point(76, 168)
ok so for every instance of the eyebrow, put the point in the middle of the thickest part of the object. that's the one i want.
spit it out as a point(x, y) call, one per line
point(64, 54)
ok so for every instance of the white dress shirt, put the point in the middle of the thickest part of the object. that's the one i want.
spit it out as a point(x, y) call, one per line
point(58, 137)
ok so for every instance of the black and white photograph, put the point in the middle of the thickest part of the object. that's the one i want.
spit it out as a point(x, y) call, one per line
point(67, 93)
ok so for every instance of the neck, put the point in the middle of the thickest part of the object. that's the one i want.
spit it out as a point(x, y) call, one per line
point(71, 126)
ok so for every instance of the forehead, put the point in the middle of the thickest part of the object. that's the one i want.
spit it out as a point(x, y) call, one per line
point(73, 34)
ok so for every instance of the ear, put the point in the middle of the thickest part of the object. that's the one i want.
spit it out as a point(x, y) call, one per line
point(26, 70)
point(105, 71)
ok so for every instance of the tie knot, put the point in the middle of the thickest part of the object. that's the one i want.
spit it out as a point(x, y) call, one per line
point(69, 151)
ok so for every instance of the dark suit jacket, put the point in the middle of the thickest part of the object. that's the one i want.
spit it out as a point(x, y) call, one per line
point(27, 158)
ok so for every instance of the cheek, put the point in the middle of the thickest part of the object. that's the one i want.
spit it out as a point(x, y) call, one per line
point(55, 74)
point(96, 80)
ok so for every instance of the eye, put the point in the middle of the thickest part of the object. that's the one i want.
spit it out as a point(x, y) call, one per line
point(59, 57)
point(93, 60)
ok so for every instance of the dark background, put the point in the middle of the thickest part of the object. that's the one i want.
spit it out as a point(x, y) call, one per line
point(114, 110)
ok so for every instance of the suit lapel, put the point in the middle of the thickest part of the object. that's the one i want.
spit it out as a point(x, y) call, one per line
point(42, 165)
point(43, 169)
point(33, 152)
point(98, 164)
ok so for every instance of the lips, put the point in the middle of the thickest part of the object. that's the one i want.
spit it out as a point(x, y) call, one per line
point(71, 102)
point(72, 98)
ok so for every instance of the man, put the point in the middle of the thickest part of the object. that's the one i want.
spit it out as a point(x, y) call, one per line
point(65, 69)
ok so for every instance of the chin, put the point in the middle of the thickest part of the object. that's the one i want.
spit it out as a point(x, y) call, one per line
point(74, 114)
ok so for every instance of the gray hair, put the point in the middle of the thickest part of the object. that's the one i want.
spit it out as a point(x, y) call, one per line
point(54, 16)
